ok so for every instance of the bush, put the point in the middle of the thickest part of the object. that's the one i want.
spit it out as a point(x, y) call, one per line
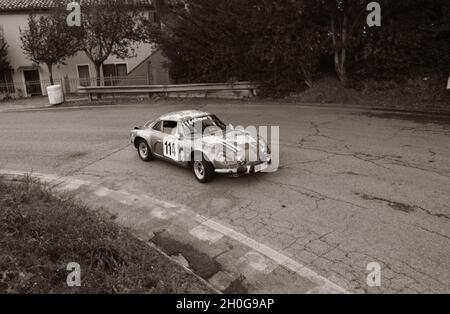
point(40, 233)
point(414, 40)
point(279, 43)
point(228, 40)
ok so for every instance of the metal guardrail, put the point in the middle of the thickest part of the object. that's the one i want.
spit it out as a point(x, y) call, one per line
point(167, 89)
point(72, 84)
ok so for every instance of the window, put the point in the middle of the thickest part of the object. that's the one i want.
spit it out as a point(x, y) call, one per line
point(84, 75)
point(200, 124)
point(112, 71)
point(6, 82)
point(121, 70)
point(157, 126)
point(170, 127)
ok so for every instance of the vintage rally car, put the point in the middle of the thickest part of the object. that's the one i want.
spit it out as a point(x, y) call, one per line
point(201, 141)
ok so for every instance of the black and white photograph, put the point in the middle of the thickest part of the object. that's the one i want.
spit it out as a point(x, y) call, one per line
point(245, 149)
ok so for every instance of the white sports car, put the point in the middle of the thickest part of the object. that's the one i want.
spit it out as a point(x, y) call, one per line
point(201, 141)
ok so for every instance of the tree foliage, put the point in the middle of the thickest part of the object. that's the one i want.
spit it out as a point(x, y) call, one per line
point(4, 62)
point(109, 27)
point(48, 40)
point(414, 39)
point(280, 42)
point(343, 20)
point(269, 41)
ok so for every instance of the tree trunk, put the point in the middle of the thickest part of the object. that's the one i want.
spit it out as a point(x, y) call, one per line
point(50, 71)
point(98, 77)
point(340, 66)
point(340, 49)
point(97, 73)
point(307, 78)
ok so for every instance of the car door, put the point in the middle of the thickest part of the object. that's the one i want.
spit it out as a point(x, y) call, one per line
point(170, 140)
point(157, 139)
point(165, 140)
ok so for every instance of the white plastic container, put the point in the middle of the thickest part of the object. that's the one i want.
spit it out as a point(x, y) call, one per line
point(55, 94)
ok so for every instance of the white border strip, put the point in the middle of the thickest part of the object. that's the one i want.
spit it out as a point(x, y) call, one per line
point(324, 284)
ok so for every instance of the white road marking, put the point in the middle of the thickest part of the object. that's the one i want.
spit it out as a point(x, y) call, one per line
point(324, 285)
point(162, 214)
point(258, 262)
point(205, 233)
point(162, 203)
point(72, 185)
point(279, 258)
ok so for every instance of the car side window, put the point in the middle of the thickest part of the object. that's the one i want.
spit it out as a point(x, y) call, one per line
point(170, 127)
point(157, 126)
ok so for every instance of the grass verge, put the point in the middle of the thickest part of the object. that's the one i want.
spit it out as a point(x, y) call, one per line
point(419, 94)
point(41, 232)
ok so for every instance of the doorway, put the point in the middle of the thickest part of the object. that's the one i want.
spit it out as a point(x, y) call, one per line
point(84, 75)
point(32, 82)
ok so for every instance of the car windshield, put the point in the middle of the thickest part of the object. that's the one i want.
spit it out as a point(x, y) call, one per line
point(200, 124)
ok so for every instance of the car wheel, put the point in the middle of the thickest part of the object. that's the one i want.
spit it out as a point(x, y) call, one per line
point(203, 171)
point(144, 150)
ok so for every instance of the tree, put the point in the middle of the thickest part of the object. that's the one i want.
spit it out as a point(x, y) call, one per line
point(414, 35)
point(272, 42)
point(290, 44)
point(415, 38)
point(344, 23)
point(48, 40)
point(109, 27)
point(279, 42)
point(4, 62)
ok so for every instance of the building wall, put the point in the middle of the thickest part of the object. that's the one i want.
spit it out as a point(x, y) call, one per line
point(11, 23)
point(159, 69)
point(154, 68)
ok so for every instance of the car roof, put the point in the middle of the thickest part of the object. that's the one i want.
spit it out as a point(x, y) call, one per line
point(183, 115)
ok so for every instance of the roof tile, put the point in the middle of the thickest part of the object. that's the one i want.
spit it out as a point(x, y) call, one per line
point(19, 5)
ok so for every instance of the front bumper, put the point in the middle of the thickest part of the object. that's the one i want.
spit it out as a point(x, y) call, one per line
point(245, 169)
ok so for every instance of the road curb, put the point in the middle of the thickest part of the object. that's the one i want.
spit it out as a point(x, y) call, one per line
point(14, 176)
point(244, 261)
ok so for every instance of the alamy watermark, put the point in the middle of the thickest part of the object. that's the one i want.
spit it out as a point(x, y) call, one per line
point(74, 277)
point(373, 18)
point(374, 277)
point(74, 17)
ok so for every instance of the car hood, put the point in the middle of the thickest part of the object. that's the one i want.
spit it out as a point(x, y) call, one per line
point(234, 140)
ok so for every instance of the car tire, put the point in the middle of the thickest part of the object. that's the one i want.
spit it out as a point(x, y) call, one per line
point(203, 171)
point(144, 151)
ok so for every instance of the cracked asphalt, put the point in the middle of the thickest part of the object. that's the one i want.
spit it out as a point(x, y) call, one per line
point(353, 187)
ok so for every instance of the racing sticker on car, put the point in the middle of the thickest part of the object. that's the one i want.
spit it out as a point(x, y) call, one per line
point(170, 147)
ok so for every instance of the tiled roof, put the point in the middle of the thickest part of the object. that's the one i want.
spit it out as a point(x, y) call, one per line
point(25, 4)
point(22, 5)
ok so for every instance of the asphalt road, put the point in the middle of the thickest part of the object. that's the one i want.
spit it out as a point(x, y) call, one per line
point(353, 187)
